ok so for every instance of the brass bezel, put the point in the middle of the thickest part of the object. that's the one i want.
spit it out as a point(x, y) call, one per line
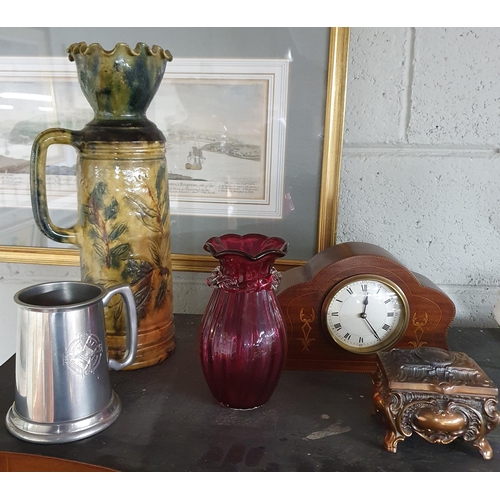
point(387, 342)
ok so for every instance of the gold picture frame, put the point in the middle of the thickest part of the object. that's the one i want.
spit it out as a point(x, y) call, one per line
point(329, 190)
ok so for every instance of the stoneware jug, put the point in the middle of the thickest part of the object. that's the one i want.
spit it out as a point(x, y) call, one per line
point(123, 228)
point(63, 388)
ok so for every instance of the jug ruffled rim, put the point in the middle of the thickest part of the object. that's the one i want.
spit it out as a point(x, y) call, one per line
point(85, 50)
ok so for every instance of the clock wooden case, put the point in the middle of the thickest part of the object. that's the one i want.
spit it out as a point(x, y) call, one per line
point(306, 295)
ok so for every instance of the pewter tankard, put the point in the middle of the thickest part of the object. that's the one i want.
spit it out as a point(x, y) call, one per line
point(63, 388)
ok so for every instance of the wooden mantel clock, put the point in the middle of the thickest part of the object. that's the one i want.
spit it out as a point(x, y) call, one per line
point(353, 300)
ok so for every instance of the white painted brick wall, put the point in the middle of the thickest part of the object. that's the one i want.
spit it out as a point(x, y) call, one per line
point(455, 98)
point(376, 85)
point(421, 167)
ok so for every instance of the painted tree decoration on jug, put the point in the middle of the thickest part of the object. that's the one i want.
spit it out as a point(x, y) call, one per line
point(103, 213)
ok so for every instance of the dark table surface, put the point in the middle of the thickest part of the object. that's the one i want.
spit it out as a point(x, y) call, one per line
point(315, 421)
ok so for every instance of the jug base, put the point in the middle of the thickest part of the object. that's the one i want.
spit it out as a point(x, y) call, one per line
point(62, 432)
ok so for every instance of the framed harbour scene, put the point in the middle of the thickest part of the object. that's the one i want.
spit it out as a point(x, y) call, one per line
point(278, 106)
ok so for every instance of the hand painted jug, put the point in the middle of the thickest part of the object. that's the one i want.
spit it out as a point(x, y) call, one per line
point(242, 337)
point(123, 228)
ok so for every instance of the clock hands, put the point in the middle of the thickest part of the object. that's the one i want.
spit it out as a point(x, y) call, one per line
point(365, 303)
point(366, 314)
point(372, 329)
point(363, 315)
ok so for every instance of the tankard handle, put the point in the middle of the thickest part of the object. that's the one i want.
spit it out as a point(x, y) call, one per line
point(131, 325)
point(38, 184)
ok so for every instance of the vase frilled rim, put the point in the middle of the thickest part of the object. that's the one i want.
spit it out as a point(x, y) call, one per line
point(120, 48)
point(252, 246)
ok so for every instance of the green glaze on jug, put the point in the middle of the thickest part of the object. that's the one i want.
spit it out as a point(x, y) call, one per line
point(122, 82)
point(123, 229)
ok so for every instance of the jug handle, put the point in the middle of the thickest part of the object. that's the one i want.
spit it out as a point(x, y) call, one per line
point(38, 182)
point(131, 325)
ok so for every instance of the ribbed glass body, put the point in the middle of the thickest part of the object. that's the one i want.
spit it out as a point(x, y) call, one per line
point(242, 338)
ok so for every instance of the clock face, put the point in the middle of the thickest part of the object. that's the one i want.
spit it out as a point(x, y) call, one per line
point(365, 314)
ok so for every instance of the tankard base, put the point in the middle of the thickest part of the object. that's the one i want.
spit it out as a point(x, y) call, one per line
point(62, 432)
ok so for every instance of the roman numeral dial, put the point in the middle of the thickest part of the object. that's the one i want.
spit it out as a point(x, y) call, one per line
point(365, 314)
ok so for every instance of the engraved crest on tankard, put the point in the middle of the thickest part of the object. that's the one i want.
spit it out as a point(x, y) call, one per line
point(84, 354)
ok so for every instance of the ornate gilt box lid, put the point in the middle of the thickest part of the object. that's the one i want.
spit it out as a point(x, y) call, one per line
point(435, 370)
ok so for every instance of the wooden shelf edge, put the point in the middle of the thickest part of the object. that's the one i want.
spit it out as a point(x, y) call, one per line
point(71, 257)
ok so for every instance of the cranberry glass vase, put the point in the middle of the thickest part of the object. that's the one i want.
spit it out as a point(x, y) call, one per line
point(242, 338)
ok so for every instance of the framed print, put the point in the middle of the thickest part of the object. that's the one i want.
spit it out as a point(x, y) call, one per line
point(225, 135)
point(254, 143)
point(225, 132)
